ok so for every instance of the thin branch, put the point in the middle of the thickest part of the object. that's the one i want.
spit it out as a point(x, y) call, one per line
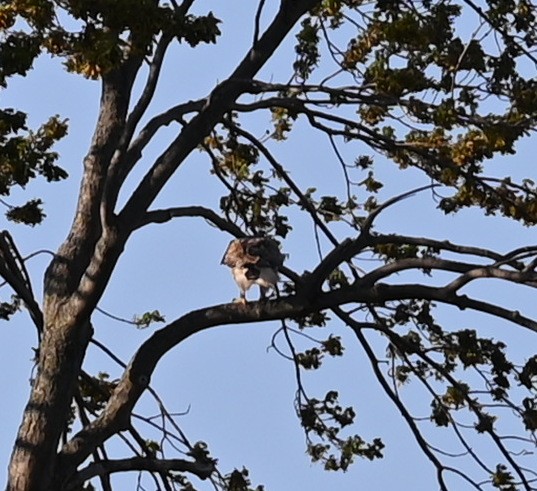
point(368, 223)
point(134, 152)
point(108, 352)
point(149, 454)
point(115, 317)
point(14, 272)
point(105, 479)
point(303, 200)
point(493, 24)
point(473, 405)
point(149, 89)
point(117, 167)
point(356, 328)
point(257, 22)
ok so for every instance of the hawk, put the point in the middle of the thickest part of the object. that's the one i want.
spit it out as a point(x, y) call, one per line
point(254, 261)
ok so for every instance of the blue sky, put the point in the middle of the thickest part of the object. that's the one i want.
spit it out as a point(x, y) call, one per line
point(237, 394)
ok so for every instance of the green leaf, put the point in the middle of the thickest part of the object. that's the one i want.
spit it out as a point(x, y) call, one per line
point(147, 318)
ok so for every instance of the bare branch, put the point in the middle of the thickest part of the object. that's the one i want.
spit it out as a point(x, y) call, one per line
point(508, 258)
point(201, 470)
point(526, 278)
point(149, 89)
point(165, 215)
point(116, 167)
point(257, 22)
point(417, 263)
point(471, 271)
point(392, 201)
point(134, 152)
point(13, 270)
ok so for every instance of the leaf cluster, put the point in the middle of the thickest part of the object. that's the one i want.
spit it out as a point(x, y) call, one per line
point(427, 89)
point(108, 32)
point(147, 318)
point(8, 309)
point(95, 391)
point(325, 419)
point(25, 155)
point(311, 359)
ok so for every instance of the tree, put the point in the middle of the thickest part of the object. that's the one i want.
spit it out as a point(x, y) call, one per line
point(439, 87)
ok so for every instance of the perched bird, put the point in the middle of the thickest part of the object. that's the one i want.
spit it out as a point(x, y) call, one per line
point(254, 261)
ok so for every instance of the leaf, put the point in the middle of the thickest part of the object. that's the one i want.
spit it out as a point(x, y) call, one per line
point(30, 213)
point(8, 309)
point(147, 318)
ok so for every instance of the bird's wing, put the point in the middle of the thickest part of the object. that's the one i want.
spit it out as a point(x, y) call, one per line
point(270, 254)
point(261, 251)
point(237, 254)
point(234, 254)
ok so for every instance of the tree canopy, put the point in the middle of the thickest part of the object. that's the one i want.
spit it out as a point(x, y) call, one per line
point(440, 90)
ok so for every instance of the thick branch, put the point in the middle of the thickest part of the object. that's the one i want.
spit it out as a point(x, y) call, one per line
point(344, 252)
point(117, 172)
point(526, 278)
point(167, 214)
point(115, 417)
point(202, 470)
point(220, 101)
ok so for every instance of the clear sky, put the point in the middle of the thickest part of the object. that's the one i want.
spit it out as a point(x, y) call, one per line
point(237, 395)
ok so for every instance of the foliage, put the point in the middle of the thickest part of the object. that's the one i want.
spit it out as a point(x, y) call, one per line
point(147, 318)
point(24, 155)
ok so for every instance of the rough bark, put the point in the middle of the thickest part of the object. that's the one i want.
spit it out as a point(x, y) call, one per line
point(66, 313)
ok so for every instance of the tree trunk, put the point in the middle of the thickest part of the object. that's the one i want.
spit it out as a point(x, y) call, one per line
point(33, 462)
